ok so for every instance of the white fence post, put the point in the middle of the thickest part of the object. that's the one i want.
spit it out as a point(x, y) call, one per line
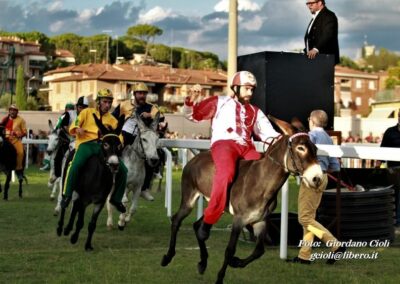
point(284, 220)
point(168, 182)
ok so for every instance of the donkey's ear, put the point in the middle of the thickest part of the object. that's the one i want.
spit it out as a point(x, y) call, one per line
point(285, 127)
point(296, 123)
point(100, 125)
point(154, 123)
point(121, 121)
point(51, 125)
point(140, 122)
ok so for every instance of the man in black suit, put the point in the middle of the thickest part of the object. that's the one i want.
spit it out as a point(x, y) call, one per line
point(322, 32)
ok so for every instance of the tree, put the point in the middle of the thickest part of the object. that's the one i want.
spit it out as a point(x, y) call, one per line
point(347, 62)
point(71, 42)
point(383, 60)
point(20, 95)
point(160, 53)
point(394, 77)
point(146, 33)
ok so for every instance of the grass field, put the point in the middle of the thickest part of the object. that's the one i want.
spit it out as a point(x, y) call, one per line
point(31, 252)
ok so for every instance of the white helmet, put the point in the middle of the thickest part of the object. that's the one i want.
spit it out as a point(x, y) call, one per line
point(243, 78)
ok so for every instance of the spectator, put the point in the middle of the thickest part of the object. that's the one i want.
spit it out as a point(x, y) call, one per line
point(391, 138)
point(309, 198)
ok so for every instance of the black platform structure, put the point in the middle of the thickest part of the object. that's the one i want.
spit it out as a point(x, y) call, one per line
point(291, 85)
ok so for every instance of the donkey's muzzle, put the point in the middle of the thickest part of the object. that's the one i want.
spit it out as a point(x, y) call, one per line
point(317, 181)
point(113, 164)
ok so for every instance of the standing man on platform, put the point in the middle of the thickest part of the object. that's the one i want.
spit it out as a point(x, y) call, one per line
point(322, 32)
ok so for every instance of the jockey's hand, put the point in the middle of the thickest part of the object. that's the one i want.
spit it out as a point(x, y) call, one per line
point(145, 115)
point(80, 131)
point(195, 97)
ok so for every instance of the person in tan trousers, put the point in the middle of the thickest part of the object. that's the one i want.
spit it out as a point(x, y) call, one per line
point(309, 199)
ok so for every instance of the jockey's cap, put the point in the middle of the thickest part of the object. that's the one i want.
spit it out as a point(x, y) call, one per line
point(243, 78)
point(140, 87)
point(82, 101)
point(104, 93)
point(69, 106)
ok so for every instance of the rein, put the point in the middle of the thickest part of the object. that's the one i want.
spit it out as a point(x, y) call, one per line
point(298, 170)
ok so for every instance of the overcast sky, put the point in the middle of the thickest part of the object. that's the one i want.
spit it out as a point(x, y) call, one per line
point(273, 25)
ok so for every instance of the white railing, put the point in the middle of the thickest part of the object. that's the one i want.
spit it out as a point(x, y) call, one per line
point(27, 142)
point(345, 151)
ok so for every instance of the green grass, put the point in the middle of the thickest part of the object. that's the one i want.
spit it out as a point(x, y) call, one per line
point(31, 252)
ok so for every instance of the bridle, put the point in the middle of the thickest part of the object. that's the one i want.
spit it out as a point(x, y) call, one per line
point(297, 170)
point(102, 141)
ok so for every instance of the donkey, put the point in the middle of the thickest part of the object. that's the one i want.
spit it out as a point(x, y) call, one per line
point(58, 147)
point(143, 150)
point(8, 163)
point(252, 193)
point(94, 185)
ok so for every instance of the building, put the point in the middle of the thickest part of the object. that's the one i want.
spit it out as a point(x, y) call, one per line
point(15, 52)
point(168, 86)
point(355, 91)
point(65, 56)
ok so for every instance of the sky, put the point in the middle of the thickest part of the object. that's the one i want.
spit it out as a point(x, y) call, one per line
point(264, 25)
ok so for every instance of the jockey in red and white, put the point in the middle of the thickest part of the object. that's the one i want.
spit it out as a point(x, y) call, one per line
point(234, 120)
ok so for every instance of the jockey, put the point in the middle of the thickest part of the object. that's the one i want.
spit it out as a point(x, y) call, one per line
point(234, 120)
point(137, 106)
point(86, 145)
point(67, 117)
point(70, 113)
point(15, 130)
point(64, 122)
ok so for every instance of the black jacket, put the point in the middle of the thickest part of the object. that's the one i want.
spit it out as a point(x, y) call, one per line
point(324, 34)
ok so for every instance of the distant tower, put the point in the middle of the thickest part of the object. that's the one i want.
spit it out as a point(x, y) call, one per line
point(367, 50)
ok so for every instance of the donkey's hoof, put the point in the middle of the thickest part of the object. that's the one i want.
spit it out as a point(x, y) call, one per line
point(59, 231)
point(121, 228)
point(66, 231)
point(236, 262)
point(166, 260)
point(201, 267)
point(51, 198)
point(88, 248)
point(74, 238)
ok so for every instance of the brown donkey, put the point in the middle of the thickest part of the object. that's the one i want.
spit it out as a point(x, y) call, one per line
point(252, 192)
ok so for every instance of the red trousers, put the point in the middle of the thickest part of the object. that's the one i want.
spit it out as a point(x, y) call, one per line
point(225, 154)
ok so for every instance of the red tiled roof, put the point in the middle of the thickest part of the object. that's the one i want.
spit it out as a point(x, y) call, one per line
point(142, 73)
point(63, 53)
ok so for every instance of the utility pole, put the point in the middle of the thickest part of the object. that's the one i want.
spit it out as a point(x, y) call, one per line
point(116, 56)
point(108, 41)
point(232, 39)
